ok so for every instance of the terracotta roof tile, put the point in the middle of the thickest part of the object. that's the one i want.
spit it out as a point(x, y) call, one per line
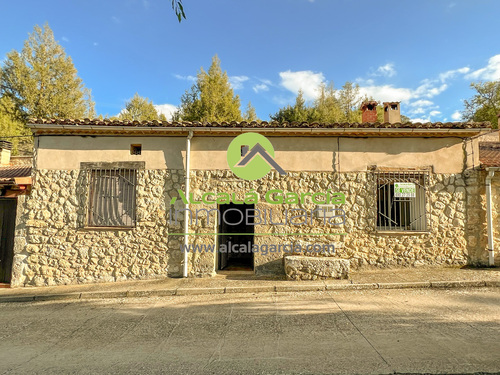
point(489, 154)
point(263, 124)
point(12, 172)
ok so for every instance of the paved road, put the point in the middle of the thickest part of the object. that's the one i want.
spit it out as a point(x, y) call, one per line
point(376, 331)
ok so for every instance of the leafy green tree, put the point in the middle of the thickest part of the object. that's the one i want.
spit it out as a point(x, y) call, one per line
point(211, 98)
point(139, 109)
point(327, 105)
point(330, 106)
point(250, 114)
point(299, 112)
point(42, 81)
point(405, 119)
point(485, 104)
point(350, 101)
point(14, 130)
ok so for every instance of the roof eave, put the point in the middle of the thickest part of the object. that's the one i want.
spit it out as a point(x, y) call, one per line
point(52, 129)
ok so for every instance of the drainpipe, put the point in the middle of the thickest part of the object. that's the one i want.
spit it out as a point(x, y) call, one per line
point(186, 212)
point(489, 216)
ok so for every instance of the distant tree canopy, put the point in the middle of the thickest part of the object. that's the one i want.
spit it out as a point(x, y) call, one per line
point(41, 81)
point(331, 105)
point(12, 129)
point(250, 114)
point(485, 104)
point(140, 109)
point(211, 98)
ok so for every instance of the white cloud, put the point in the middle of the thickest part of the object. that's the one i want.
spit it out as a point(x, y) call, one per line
point(452, 73)
point(387, 93)
point(237, 81)
point(422, 103)
point(456, 116)
point(166, 109)
point(305, 80)
point(260, 87)
point(96, 44)
point(434, 113)
point(364, 82)
point(420, 119)
point(428, 89)
point(185, 78)
point(489, 72)
point(115, 19)
point(386, 70)
point(65, 39)
point(417, 111)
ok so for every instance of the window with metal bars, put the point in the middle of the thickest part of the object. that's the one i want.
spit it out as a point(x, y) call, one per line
point(401, 200)
point(112, 197)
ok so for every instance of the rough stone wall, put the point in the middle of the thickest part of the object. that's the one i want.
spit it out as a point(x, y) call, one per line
point(477, 229)
point(58, 249)
point(444, 243)
point(495, 197)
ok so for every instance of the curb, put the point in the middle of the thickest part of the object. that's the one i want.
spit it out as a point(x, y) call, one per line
point(249, 289)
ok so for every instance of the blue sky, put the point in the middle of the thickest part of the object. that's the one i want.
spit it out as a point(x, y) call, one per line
point(424, 53)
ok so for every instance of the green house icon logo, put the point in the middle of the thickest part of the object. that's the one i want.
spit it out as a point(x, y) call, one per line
point(251, 156)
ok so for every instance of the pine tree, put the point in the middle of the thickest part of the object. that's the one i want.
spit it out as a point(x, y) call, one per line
point(42, 81)
point(330, 106)
point(250, 114)
point(350, 101)
point(211, 98)
point(14, 130)
point(139, 109)
point(299, 112)
point(327, 105)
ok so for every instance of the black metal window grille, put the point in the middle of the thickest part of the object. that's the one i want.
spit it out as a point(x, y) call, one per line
point(401, 213)
point(112, 197)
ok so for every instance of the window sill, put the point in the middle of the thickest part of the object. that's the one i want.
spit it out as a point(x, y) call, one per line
point(402, 232)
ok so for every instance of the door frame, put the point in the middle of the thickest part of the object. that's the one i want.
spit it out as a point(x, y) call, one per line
point(218, 223)
point(8, 241)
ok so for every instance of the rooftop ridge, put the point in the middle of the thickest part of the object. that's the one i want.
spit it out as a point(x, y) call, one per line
point(262, 124)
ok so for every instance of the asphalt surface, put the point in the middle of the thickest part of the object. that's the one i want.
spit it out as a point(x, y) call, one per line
point(355, 332)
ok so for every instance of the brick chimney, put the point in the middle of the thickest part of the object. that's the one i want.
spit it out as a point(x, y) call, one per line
point(5, 148)
point(392, 113)
point(369, 111)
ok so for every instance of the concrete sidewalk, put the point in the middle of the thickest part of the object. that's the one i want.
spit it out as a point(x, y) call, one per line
point(246, 282)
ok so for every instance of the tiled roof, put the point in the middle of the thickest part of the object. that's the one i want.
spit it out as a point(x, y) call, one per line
point(8, 173)
point(489, 154)
point(263, 124)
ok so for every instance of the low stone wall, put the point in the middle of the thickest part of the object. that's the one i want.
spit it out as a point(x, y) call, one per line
point(314, 268)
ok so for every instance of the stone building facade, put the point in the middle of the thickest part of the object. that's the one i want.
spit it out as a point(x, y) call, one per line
point(58, 241)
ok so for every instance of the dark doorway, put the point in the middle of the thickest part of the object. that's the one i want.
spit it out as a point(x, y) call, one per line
point(236, 238)
point(7, 226)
